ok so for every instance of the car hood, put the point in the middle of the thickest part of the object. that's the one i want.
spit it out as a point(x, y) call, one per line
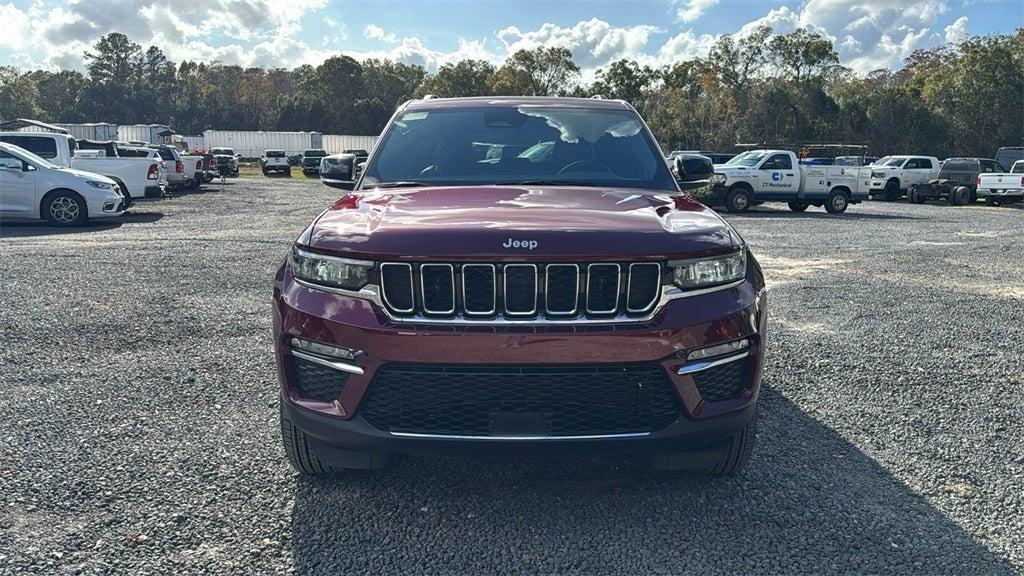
point(88, 175)
point(519, 223)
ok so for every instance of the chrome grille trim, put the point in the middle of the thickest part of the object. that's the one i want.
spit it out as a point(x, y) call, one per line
point(423, 288)
point(618, 287)
point(504, 288)
point(576, 290)
point(629, 287)
point(384, 292)
point(494, 289)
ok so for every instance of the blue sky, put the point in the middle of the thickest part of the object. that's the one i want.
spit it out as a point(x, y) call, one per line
point(868, 34)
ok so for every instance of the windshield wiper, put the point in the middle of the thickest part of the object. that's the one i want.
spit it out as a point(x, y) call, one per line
point(400, 184)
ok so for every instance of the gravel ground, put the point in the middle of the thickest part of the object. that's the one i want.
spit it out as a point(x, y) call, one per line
point(138, 420)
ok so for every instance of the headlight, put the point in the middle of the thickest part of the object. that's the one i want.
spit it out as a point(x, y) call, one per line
point(878, 174)
point(710, 271)
point(718, 178)
point(329, 270)
point(100, 185)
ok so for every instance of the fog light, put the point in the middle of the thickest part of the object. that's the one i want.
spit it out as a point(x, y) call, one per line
point(719, 349)
point(327, 350)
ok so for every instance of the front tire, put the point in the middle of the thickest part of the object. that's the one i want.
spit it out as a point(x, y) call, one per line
point(737, 455)
point(296, 447)
point(738, 200)
point(959, 196)
point(837, 202)
point(798, 206)
point(891, 191)
point(65, 209)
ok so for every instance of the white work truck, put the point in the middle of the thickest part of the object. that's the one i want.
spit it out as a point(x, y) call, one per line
point(1002, 187)
point(893, 176)
point(137, 177)
point(759, 176)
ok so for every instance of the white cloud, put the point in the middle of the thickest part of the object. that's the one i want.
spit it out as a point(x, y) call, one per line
point(16, 27)
point(957, 31)
point(374, 32)
point(692, 10)
point(593, 42)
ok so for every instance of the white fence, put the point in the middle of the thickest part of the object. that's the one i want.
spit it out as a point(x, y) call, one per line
point(335, 143)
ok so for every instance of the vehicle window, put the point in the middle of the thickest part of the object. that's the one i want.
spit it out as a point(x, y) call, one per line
point(275, 154)
point(893, 162)
point(8, 160)
point(511, 144)
point(747, 159)
point(34, 159)
point(1018, 167)
point(988, 166)
point(778, 162)
point(43, 147)
point(165, 153)
point(912, 164)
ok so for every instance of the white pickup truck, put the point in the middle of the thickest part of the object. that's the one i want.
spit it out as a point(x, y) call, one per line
point(137, 177)
point(893, 176)
point(759, 176)
point(1003, 187)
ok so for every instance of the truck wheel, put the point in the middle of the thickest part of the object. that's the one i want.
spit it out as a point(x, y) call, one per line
point(798, 206)
point(959, 196)
point(65, 208)
point(991, 201)
point(737, 454)
point(837, 202)
point(915, 197)
point(974, 196)
point(288, 173)
point(265, 173)
point(738, 200)
point(891, 191)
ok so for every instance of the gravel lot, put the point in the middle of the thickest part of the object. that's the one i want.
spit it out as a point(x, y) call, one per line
point(138, 419)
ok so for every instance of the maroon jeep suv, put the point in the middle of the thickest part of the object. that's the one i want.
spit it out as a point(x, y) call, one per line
point(515, 276)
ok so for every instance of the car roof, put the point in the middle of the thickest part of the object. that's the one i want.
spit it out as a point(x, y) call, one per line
point(498, 101)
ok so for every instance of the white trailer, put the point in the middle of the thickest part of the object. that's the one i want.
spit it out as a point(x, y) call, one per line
point(252, 145)
point(92, 131)
point(149, 133)
point(338, 143)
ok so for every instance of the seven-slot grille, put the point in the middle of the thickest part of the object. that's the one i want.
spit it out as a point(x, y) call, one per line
point(478, 291)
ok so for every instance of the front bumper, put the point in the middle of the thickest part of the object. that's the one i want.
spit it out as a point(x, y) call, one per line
point(680, 326)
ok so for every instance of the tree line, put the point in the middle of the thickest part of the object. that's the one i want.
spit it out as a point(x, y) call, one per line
point(966, 98)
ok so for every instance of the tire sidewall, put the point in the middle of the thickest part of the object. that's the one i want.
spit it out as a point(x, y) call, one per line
point(833, 205)
point(733, 202)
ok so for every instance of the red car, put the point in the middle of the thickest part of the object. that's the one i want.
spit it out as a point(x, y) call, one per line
point(518, 276)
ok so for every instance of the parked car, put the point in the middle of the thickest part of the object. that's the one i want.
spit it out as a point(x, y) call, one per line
point(32, 187)
point(892, 176)
point(138, 177)
point(177, 178)
point(758, 176)
point(311, 161)
point(226, 157)
point(338, 170)
point(275, 161)
point(360, 154)
point(855, 160)
point(571, 303)
point(193, 168)
point(1002, 187)
point(716, 157)
point(1008, 155)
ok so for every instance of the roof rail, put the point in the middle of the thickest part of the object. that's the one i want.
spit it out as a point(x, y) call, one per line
point(597, 97)
point(428, 97)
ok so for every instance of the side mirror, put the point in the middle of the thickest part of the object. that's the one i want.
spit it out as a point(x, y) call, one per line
point(680, 171)
point(342, 184)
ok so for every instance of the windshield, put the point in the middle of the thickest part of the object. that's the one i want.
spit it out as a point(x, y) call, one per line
point(517, 144)
point(33, 158)
point(275, 154)
point(224, 151)
point(315, 153)
point(888, 161)
point(750, 158)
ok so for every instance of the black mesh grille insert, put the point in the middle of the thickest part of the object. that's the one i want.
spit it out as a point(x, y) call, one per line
point(438, 288)
point(561, 288)
point(316, 381)
point(644, 281)
point(478, 288)
point(397, 281)
point(549, 400)
point(723, 382)
point(520, 288)
point(602, 288)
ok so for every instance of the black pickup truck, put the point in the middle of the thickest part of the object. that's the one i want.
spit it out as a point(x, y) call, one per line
point(311, 161)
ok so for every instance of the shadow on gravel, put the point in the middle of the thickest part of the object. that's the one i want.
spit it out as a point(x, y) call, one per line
point(29, 229)
point(811, 214)
point(809, 503)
